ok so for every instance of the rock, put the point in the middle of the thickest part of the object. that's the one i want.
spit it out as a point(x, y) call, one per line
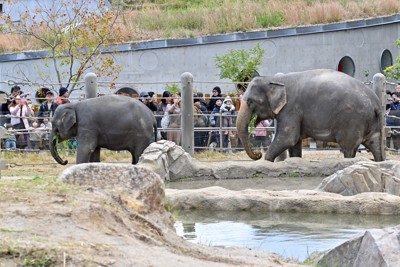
point(376, 247)
point(167, 159)
point(141, 189)
point(364, 176)
point(306, 201)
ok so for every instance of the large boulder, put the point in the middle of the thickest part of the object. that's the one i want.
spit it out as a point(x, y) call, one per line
point(364, 176)
point(140, 189)
point(167, 159)
point(376, 247)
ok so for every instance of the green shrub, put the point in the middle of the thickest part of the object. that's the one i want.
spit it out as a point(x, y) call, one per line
point(270, 19)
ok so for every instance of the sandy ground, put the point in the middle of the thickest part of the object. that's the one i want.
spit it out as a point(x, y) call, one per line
point(46, 223)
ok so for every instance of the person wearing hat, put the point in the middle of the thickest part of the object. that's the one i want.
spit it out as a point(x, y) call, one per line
point(215, 96)
point(148, 101)
point(63, 96)
point(48, 107)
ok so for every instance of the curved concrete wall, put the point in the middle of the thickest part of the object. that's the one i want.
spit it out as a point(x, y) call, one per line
point(322, 46)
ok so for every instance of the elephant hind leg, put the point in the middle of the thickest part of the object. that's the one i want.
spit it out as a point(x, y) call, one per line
point(350, 153)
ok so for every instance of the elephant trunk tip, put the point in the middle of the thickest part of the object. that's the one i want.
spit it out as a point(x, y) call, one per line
point(65, 162)
point(257, 155)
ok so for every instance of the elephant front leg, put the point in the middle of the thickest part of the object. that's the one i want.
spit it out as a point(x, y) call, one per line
point(296, 151)
point(287, 137)
point(95, 157)
point(84, 152)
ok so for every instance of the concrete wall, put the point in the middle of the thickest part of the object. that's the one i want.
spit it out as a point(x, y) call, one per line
point(287, 50)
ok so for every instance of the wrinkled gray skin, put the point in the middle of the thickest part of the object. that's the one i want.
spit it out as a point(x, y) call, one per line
point(323, 104)
point(114, 122)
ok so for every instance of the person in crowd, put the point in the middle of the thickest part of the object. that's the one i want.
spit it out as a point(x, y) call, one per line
point(11, 140)
point(148, 101)
point(262, 137)
point(162, 114)
point(15, 91)
point(35, 135)
point(200, 121)
point(398, 88)
point(216, 94)
point(174, 111)
point(46, 128)
point(63, 95)
point(47, 108)
point(203, 103)
point(227, 110)
point(215, 122)
point(20, 112)
point(396, 101)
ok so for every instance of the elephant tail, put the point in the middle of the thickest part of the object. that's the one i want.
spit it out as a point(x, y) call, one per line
point(155, 130)
point(382, 125)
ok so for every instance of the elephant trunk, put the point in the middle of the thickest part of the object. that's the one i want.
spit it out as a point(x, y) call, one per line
point(242, 125)
point(53, 148)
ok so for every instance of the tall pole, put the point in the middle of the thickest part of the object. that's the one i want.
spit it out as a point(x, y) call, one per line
point(90, 85)
point(379, 87)
point(187, 113)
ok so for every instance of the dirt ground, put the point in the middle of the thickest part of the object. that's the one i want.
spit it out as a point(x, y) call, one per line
point(47, 223)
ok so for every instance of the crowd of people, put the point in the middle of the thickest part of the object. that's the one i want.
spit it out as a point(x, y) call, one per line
point(218, 111)
point(27, 129)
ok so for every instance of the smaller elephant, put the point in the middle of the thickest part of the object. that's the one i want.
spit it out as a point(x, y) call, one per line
point(114, 122)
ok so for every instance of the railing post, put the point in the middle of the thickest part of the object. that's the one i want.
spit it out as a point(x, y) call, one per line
point(90, 85)
point(187, 113)
point(379, 87)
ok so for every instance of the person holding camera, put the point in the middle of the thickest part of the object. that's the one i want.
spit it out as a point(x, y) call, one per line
point(20, 112)
point(174, 111)
point(15, 91)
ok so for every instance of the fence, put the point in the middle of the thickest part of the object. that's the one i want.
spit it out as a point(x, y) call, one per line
point(217, 137)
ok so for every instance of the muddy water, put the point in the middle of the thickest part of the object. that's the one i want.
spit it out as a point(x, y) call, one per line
point(293, 235)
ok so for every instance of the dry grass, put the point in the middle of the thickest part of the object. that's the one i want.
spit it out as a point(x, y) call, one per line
point(182, 19)
point(29, 164)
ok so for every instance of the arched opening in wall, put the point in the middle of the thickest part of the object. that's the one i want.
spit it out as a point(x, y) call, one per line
point(386, 59)
point(346, 65)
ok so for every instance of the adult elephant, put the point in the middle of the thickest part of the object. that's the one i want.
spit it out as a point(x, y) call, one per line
point(114, 122)
point(323, 104)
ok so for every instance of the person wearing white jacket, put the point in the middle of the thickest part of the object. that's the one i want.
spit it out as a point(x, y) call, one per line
point(20, 111)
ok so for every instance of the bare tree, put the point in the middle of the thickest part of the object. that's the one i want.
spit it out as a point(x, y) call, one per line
point(77, 34)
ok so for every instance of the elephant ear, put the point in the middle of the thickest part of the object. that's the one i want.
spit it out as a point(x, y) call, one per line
point(277, 96)
point(68, 119)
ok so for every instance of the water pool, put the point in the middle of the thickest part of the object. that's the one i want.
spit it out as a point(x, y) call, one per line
point(291, 235)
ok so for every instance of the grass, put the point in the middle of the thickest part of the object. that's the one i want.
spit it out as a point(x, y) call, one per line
point(42, 165)
point(148, 20)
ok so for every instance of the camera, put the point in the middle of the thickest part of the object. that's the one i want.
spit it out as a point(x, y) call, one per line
point(228, 108)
